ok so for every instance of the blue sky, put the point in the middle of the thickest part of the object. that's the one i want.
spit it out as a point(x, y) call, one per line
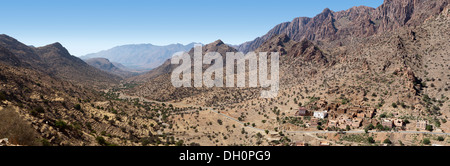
point(87, 26)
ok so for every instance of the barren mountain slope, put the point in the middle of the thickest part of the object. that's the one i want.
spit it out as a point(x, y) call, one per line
point(105, 65)
point(358, 21)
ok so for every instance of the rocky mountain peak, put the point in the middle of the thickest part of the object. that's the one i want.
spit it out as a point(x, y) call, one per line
point(54, 50)
point(217, 42)
point(326, 12)
point(22, 51)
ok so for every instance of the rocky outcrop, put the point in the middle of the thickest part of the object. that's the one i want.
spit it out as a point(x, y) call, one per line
point(253, 45)
point(305, 50)
point(308, 52)
point(280, 43)
point(393, 14)
point(216, 46)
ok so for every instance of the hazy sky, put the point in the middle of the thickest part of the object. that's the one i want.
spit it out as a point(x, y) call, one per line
point(87, 26)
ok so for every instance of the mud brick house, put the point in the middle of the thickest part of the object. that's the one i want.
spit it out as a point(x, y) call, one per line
point(387, 123)
point(355, 110)
point(332, 123)
point(341, 110)
point(357, 122)
point(314, 122)
point(361, 115)
point(332, 107)
point(302, 111)
point(300, 143)
point(324, 143)
point(348, 122)
point(332, 115)
point(422, 125)
point(398, 123)
point(367, 122)
point(370, 112)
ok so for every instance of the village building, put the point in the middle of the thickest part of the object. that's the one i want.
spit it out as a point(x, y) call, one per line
point(355, 110)
point(332, 115)
point(314, 122)
point(387, 123)
point(332, 123)
point(341, 111)
point(348, 122)
point(320, 114)
point(367, 122)
point(398, 123)
point(370, 113)
point(356, 122)
point(422, 125)
point(324, 143)
point(302, 111)
point(332, 107)
point(361, 115)
point(300, 143)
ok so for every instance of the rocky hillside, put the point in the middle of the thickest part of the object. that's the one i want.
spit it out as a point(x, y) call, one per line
point(345, 68)
point(157, 83)
point(53, 98)
point(54, 60)
point(166, 68)
point(358, 21)
point(105, 65)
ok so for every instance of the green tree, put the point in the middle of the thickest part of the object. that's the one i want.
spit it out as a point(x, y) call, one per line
point(426, 141)
point(179, 143)
point(429, 128)
point(319, 127)
point(77, 106)
point(370, 140)
point(101, 141)
point(61, 125)
point(394, 105)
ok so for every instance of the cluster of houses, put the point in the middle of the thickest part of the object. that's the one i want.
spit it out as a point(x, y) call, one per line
point(340, 117)
point(391, 123)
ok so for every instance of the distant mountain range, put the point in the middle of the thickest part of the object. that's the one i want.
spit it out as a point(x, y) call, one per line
point(140, 56)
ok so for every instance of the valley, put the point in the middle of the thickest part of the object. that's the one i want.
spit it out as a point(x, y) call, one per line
point(359, 77)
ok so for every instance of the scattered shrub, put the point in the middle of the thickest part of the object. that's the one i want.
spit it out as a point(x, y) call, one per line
point(13, 127)
point(77, 106)
point(426, 141)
